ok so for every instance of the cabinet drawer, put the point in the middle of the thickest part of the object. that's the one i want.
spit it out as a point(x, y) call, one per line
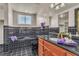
point(40, 49)
point(47, 52)
point(54, 49)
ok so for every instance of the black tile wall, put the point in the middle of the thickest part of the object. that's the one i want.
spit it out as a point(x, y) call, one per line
point(21, 32)
point(55, 30)
point(72, 30)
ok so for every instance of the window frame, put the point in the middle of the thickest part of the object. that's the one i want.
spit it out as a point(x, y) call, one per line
point(24, 20)
point(15, 17)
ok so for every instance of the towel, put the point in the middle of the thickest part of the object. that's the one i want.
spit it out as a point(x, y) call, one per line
point(13, 38)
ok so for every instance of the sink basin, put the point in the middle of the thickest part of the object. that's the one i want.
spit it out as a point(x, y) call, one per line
point(70, 42)
point(57, 40)
point(64, 41)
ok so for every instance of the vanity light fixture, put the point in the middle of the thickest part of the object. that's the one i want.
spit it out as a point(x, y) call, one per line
point(62, 5)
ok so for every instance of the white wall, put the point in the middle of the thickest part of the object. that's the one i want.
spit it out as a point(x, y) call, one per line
point(54, 21)
point(10, 15)
point(42, 19)
point(1, 14)
point(71, 15)
point(71, 18)
point(1, 24)
point(27, 8)
point(3, 20)
point(4, 13)
point(1, 32)
point(32, 9)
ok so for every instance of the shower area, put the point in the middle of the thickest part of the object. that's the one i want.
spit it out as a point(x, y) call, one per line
point(26, 43)
point(26, 40)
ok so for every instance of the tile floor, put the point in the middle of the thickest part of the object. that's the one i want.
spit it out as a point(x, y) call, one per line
point(25, 51)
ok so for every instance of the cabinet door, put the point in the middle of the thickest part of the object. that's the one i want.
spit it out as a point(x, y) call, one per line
point(47, 52)
point(40, 50)
point(55, 50)
point(40, 47)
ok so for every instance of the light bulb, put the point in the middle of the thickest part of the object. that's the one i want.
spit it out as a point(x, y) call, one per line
point(52, 5)
point(62, 4)
point(57, 7)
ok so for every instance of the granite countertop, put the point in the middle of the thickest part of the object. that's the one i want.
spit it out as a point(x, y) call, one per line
point(71, 49)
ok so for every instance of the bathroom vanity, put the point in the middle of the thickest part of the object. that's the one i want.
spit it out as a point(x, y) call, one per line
point(47, 47)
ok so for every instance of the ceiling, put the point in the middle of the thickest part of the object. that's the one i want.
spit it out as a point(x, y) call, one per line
point(67, 6)
point(40, 7)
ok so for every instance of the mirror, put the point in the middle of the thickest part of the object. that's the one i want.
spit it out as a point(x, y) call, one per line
point(77, 20)
point(63, 22)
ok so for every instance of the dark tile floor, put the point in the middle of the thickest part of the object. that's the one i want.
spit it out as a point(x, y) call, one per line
point(24, 51)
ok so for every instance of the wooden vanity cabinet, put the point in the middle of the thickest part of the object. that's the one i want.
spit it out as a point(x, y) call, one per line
point(46, 48)
point(47, 52)
point(55, 51)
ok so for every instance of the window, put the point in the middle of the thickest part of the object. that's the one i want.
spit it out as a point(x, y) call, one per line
point(24, 19)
